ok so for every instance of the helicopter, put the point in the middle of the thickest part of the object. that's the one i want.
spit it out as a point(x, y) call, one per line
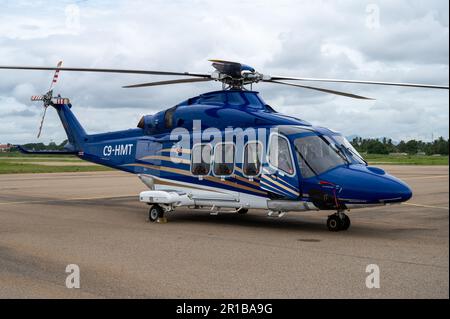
point(229, 151)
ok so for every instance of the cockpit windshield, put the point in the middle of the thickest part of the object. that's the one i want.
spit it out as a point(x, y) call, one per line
point(317, 155)
point(351, 153)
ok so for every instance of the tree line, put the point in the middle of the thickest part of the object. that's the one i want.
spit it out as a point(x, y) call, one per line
point(52, 146)
point(386, 146)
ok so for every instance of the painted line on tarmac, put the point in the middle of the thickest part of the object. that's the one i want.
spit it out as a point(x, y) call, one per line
point(424, 177)
point(425, 206)
point(66, 199)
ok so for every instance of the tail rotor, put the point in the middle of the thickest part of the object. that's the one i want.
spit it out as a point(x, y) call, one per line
point(47, 98)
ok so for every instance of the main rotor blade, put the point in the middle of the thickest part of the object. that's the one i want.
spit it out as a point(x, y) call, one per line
point(429, 86)
point(165, 83)
point(322, 90)
point(105, 70)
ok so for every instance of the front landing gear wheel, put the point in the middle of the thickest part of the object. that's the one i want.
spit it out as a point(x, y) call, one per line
point(334, 223)
point(345, 222)
point(155, 212)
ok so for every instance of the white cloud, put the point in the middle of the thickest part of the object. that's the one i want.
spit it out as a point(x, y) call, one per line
point(302, 38)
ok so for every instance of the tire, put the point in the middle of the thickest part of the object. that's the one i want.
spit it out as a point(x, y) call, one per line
point(154, 213)
point(345, 223)
point(242, 211)
point(334, 223)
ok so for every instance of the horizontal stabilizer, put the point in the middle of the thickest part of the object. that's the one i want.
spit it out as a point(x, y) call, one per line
point(25, 151)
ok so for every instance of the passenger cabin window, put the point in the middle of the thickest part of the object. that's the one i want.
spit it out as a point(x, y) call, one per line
point(252, 159)
point(201, 159)
point(280, 155)
point(224, 159)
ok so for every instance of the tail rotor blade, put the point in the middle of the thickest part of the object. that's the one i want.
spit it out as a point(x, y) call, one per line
point(55, 76)
point(37, 98)
point(42, 122)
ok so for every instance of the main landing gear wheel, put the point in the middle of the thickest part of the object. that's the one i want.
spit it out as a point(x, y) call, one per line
point(155, 212)
point(337, 223)
point(242, 211)
point(334, 223)
point(345, 222)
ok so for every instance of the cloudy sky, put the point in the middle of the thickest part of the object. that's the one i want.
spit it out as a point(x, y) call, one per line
point(400, 41)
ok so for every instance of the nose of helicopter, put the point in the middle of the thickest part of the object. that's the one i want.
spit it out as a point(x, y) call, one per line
point(368, 184)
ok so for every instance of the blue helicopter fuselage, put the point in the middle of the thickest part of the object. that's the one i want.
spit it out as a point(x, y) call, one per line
point(163, 143)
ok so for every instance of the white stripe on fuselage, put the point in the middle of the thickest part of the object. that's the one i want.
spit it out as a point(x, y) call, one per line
point(196, 190)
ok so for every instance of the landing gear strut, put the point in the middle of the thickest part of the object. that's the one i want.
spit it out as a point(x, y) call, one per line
point(155, 213)
point(338, 221)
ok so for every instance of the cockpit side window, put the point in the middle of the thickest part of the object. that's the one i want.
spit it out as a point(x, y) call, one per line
point(201, 159)
point(305, 169)
point(252, 159)
point(224, 159)
point(280, 154)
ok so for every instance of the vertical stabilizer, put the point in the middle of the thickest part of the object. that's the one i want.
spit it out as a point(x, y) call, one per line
point(75, 132)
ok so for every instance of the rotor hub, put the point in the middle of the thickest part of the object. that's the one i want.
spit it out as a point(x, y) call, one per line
point(235, 75)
